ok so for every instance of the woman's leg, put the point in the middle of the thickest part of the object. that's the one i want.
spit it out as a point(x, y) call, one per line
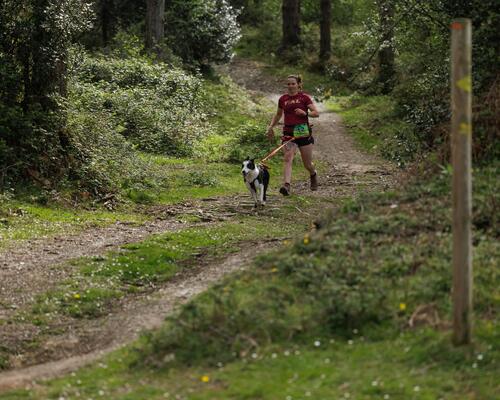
point(306, 153)
point(289, 151)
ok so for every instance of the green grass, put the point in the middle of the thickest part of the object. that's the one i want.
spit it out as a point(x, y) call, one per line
point(75, 301)
point(372, 263)
point(376, 127)
point(95, 284)
point(23, 219)
point(332, 306)
point(190, 179)
point(97, 281)
point(327, 314)
point(232, 106)
point(239, 122)
point(420, 365)
point(234, 115)
point(161, 256)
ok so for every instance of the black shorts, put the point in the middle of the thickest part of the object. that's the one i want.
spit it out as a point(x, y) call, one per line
point(303, 141)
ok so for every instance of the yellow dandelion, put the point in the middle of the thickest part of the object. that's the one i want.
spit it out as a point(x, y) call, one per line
point(76, 296)
point(286, 242)
point(306, 239)
point(205, 379)
point(402, 306)
point(274, 269)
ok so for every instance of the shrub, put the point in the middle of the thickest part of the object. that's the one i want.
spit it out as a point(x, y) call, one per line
point(156, 107)
point(201, 31)
point(102, 158)
point(249, 140)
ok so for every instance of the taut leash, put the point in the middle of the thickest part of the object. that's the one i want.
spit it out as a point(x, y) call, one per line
point(272, 153)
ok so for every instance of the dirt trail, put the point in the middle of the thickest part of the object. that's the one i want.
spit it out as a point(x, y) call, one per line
point(121, 328)
point(34, 266)
point(348, 166)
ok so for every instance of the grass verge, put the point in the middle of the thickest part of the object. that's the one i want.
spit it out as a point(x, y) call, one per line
point(23, 218)
point(376, 127)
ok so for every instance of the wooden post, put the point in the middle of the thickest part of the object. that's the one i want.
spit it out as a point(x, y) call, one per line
point(461, 132)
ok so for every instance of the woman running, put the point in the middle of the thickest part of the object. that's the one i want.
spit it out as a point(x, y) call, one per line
point(297, 106)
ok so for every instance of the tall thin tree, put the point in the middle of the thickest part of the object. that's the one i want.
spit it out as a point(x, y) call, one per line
point(291, 24)
point(325, 42)
point(155, 18)
point(386, 56)
point(107, 14)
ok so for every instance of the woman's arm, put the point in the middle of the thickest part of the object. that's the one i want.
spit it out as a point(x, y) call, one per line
point(274, 121)
point(312, 108)
point(313, 111)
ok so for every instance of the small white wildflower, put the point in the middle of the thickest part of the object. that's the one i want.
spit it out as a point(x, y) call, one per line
point(274, 355)
point(350, 342)
point(386, 396)
point(416, 388)
point(317, 343)
point(286, 353)
point(327, 361)
point(474, 365)
point(479, 357)
point(374, 383)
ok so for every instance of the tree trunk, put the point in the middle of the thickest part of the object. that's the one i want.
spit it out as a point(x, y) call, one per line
point(386, 53)
point(107, 20)
point(325, 42)
point(155, 14)
point(291, 23)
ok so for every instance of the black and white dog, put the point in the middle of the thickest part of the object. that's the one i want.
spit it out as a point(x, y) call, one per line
point(257, 179)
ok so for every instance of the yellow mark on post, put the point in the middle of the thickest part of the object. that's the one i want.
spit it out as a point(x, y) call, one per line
point(465, 83)
point(465, 128)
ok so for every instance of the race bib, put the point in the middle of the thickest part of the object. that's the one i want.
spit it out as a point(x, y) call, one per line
point(301, 130)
